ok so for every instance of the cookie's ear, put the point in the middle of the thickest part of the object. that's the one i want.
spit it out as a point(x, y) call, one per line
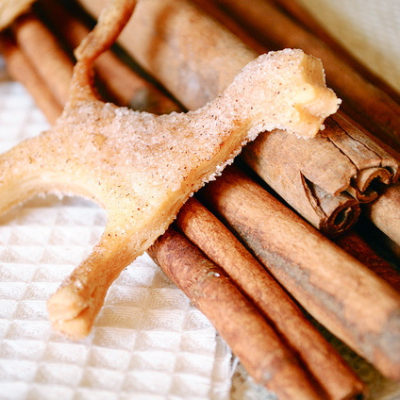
point(111, 21)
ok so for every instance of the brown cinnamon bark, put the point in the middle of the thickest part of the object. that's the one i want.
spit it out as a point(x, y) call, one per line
point(248, 334)
point(363, 101)
point(327, 197)
point(336, 289)
point(250, 337)
point(221, 246)
point(385, 212)
point(125, 87)
point(21, 69)
point(34, 40)
point(205, 66)
point(302, 15)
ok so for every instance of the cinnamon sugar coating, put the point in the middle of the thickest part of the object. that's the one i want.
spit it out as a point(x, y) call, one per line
point(142, 168)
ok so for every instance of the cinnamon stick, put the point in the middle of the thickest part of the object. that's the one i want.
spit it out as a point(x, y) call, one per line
point(342, 294)
point(328, 198)
point(122, 85)
point(302, 15)
point(33, 38)
point(248, 334)
point(306, 182)
point(21, 69)
point(221, 246)
point(363, 101)
point(266, 357)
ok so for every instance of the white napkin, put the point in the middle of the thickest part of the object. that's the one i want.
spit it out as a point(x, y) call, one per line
point(148, 342)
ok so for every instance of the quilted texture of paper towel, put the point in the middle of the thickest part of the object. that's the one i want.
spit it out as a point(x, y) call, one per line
point(148, 342)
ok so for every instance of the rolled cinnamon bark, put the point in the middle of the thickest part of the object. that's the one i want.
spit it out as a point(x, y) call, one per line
point(327, 197)
point(34, 40)
point(338, 291)
point(363, 101)
point(197, 64)
point(125, 87)
point(250, 337)
point(221, 246)
point(21, 69)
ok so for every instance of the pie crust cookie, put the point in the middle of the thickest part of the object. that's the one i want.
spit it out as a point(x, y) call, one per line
point(141, 167)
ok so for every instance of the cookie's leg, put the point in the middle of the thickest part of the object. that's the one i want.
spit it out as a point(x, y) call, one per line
point(73, 308)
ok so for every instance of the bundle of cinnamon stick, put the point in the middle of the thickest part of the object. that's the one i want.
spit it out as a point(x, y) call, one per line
point(250, 309)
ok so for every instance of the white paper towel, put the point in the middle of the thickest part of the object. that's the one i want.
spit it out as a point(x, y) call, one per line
point(148, 342)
